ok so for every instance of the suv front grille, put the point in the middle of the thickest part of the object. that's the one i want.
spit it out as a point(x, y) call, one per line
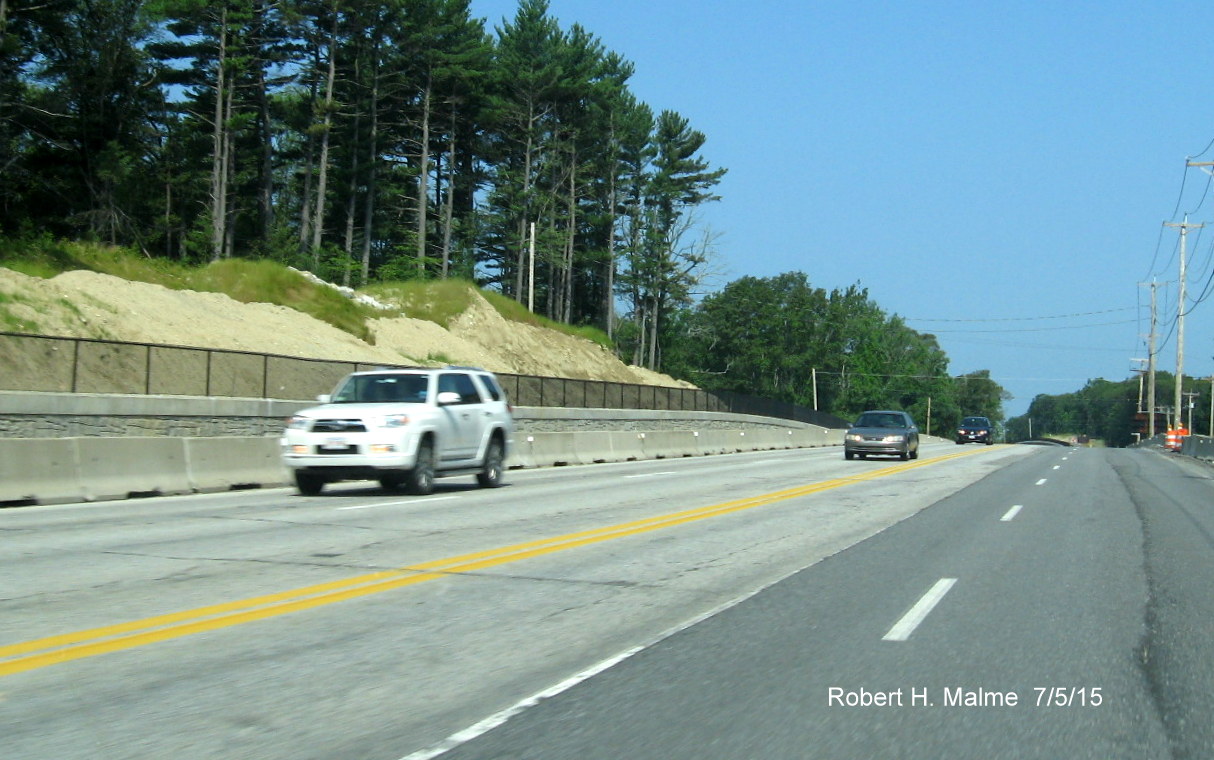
point(339, 426)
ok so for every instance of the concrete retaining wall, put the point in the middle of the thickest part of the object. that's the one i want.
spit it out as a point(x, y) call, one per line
point(62, 470)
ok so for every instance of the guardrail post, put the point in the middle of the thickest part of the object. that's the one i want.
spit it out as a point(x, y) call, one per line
point(75, 363)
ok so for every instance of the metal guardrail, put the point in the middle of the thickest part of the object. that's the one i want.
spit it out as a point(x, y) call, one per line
point(86, 365)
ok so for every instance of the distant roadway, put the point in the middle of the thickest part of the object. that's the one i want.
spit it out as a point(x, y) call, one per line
point(980, 602)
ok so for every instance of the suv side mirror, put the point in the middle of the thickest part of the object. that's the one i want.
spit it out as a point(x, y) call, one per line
point(324, 398)
point(446, 398)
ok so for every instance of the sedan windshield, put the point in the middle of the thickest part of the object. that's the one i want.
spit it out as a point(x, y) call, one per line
point(879, 420)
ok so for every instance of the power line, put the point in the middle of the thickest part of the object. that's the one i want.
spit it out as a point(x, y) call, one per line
point(1026, 319)
point(1037, 346)
point(1205, 293)
point(1200, 203)
point(1041, 329)
point(1180, 195)
point(1158, 245)
point(1203, 152)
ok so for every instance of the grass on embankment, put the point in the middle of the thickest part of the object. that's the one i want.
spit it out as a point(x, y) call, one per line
point(440, 301)
point(264, 281)
point(240, 279)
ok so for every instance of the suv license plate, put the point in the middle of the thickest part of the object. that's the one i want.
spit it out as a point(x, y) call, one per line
point(335, 443)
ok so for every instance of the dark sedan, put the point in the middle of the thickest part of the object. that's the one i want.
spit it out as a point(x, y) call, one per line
point(975, 430)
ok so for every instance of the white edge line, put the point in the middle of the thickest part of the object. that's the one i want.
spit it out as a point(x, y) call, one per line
point(911, 620)
point(649, 475)
point(1011, 513)
point(497, 719)
point(422, 500)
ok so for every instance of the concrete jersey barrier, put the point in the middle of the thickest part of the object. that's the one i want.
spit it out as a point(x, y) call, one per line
point(62, 470)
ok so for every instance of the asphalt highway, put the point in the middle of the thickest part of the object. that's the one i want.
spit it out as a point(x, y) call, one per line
point(1005, 601)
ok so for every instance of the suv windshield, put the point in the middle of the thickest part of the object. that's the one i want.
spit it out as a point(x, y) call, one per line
point(380, 389)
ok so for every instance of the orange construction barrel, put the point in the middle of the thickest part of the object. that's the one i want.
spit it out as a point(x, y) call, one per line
point(1175, 439)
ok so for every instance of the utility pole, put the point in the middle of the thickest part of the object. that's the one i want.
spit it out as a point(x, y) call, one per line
point(1208, 168)
point(1180, 310)
point(1191, 395)
point(1140, 371)
point(1150, 370)
point(1151, 366)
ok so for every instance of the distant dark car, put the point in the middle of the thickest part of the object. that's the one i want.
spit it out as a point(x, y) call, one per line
point(975, 430)
point(882, 431)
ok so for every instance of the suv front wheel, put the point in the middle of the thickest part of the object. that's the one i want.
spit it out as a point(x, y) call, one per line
point(490, 475)
point(420, 479)
point(308, 483)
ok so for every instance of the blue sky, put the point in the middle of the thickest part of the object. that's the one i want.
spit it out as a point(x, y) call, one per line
point(998, 174)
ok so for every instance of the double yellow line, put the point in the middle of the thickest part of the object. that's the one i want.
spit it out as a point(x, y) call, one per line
point(52, 650)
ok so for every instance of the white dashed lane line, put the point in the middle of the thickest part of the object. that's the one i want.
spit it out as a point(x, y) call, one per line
point(917, 614)
point(1011, 513)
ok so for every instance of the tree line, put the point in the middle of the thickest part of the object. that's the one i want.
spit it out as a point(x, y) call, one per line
point(403, 139)
point(1114, 412)
point(780, 337)
point(363, 141)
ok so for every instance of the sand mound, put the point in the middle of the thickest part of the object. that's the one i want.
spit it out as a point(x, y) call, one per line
point(90, 305)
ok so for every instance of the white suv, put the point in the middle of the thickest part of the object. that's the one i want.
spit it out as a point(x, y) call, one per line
point(403, 427)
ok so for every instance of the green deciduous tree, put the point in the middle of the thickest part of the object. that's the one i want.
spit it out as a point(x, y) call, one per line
point(1103, 410)
point(779, 337)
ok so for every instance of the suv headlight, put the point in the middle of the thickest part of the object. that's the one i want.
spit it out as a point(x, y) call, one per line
point(297, 423)
point(392, 421)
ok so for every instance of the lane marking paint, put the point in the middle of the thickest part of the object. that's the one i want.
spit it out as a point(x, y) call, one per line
point(1011, 513)
point(911, 620)
point(1041, 482)
point(53, 650)
point(1057, 467)
point(649, 475)
point(420, 500)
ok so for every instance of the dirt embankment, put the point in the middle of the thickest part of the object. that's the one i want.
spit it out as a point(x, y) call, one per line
point(89, 305)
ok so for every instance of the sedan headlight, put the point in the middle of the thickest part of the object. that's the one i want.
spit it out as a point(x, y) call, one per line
point(895, 438)
point(854, 437)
